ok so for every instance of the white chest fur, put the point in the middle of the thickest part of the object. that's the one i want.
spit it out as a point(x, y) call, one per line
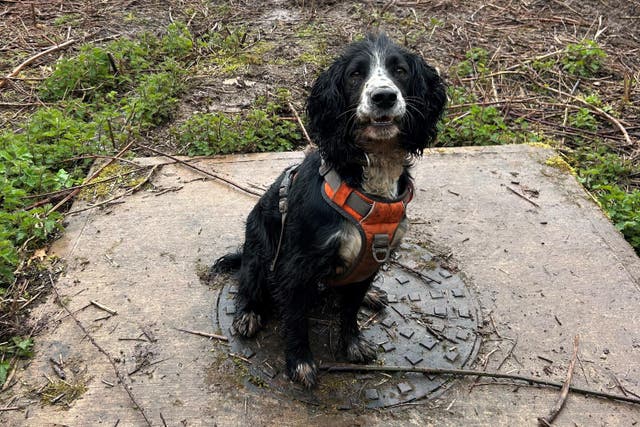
point(382, 173)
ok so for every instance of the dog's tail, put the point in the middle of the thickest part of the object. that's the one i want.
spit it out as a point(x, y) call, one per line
point(227, 263)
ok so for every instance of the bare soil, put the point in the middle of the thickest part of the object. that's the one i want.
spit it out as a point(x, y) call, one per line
point(302, 36)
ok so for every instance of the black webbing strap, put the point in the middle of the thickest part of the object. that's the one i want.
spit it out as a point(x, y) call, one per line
point(283, 205)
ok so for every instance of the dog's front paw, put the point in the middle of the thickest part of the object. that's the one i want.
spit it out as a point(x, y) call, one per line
point(359, 350)
point(304, 372)
point(375, 299)
point(247, 323)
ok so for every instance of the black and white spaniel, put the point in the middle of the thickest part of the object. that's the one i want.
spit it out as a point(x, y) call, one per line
point(372, 112)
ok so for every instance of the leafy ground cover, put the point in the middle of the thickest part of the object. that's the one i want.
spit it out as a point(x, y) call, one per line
point(203, 78)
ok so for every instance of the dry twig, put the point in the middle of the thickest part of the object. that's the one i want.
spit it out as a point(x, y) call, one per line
point(522, 196)
point(33, 58)
point(202, 171)
point(469, 372)
point(546, 421)
point(299, 120)
point(103, 307)
point(204, 334)
point(86, 333)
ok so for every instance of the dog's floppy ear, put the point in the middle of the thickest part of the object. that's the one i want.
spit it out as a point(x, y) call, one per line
point(327, 118)
point(326, 101)
point(428, 98)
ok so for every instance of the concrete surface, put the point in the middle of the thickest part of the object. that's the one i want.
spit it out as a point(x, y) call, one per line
point(541, 274)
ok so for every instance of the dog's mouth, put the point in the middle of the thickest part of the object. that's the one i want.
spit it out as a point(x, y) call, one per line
point(381, 128)
point(382, 121)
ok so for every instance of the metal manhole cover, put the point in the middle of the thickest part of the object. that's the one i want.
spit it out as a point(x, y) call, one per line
point(431, 321)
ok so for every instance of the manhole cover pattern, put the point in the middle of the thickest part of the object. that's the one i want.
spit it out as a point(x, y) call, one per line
point(431, 321)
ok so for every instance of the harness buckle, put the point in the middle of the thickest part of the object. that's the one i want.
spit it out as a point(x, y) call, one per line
point(380, 248)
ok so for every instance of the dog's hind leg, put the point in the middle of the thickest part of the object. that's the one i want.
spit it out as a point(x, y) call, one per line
point(251, 302)
point(251, 299)
point(356, 348)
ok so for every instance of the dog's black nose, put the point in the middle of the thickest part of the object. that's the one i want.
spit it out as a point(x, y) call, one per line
point(384, 98)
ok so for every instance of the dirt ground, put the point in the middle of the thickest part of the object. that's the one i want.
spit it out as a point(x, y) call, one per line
point(302, 36)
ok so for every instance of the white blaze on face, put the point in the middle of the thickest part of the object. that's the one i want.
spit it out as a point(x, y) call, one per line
point(377, 80)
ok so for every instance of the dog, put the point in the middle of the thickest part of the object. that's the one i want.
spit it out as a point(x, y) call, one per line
point(370, 114)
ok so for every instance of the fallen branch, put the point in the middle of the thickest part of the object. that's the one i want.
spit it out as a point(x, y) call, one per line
point(101, 350)
point(469, 372)
point(204, 334)
point(202, 171)
point(564, 392)
point(416, 272)
point(304, 130)
point(103, 307)
point(522, 196)
point(19, 68)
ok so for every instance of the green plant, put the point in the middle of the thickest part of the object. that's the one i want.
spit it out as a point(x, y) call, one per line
point(583, 119)
point(72, 19)
point(610, 178)
point(117, 66)
point(479, 126)
point(624, 210)
point(476, 60)
point(16, 347)
point(178, 41)
point(231, 49)
point(600, 167)
point(155, 99)
point(4, 371)
point(82, 76)
point(583, 59)
point(259, 129)
point(32, 162)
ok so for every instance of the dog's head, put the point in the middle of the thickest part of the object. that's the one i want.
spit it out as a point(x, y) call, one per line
point(376, 92)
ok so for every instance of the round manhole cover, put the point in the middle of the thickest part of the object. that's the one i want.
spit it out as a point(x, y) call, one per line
point(431, 320)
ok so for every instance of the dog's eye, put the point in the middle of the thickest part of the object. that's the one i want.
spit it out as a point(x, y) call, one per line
point(400, 71)
point(356, 75)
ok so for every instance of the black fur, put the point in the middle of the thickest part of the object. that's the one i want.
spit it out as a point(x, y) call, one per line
point(309, 251)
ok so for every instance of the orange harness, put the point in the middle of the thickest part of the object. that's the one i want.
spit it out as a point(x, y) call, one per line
point(376, 220)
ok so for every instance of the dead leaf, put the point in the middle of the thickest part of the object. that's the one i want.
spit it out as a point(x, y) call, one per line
point(39, 254)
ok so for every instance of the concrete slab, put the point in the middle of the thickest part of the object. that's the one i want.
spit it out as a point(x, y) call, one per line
point(542, 274)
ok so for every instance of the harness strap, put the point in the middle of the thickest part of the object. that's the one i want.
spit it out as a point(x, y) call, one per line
point(283, 206)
